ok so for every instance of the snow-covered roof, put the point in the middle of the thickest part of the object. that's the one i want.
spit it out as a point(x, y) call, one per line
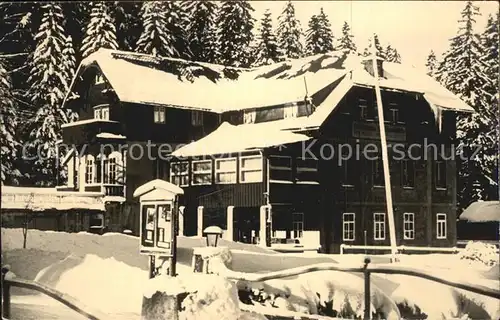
point(229, 138)
point(144, 79)
point(482, 211)
point(40, 199)
point(157, 184)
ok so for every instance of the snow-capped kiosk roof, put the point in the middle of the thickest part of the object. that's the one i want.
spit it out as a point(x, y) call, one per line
point(482, 211)
point(229, 139)
point(157, 184)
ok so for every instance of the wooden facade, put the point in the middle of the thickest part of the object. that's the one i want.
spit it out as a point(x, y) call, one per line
point(344, 201)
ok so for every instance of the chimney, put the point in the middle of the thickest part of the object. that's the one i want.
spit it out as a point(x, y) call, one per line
point(368, 64)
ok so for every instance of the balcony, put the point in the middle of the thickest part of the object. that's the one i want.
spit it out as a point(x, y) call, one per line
point(87, 131)
point(107, 189)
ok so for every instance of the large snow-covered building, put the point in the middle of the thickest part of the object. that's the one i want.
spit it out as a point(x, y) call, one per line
point(256, 149)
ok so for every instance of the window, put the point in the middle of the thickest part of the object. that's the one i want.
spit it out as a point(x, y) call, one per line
point(297, 224)
point(197, 118)
point(290, 111)
point(280, 169)
point(179, 173)
point(251, 169)
point(378, 172)
point(379, 226)
point(440, 174)
point(101, 112)
point(347, 172)
point(394, 113)
point(159, 114)
point(112, 170)
point(99, 79)
point(89, 169)
point(348, 224)
point(225, 170)
point(363, 109)
point(407, 173)
point(307, 170)
point(441, 226)
point(408, 226)
point(201, 172)
point(249, 117)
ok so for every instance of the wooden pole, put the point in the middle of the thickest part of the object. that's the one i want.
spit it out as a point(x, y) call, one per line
point(385, 157)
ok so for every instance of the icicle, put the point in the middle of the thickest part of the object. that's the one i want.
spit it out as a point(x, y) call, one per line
point(438, 115)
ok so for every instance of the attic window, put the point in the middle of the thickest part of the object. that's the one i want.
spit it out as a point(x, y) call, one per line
point(249, 117)
point(159, 114)
point(99, 79)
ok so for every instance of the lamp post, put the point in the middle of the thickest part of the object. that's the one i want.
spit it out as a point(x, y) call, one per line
point(212, 234)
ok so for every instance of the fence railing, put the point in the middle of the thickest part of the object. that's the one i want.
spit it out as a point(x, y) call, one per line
point(66, 300)
point(217, 266)
point(344, 247)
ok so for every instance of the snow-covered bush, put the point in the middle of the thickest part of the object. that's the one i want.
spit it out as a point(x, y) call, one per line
point(205, 296)
point(484, 253)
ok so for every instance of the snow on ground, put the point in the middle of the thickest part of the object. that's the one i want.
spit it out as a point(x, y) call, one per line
point(108, 273)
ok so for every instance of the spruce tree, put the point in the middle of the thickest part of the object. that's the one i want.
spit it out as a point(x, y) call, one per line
point(235, 25)
point(155, 38)
point(201, 30)
point(346, 42)
point(8, 125)
point(319, 36)
point(128, 23)
point(49, 83)
point(267, 48)
point(289, 33)
point(392, 54)
point(378, 47)
point(431, 64)
point(100, 31)
point(463, 72)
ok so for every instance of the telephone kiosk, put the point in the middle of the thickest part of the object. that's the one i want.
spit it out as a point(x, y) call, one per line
point(159, 220)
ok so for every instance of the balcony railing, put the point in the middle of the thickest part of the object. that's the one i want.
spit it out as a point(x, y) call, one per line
point(106, 189)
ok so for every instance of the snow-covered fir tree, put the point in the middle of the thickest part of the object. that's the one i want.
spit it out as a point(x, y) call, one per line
point(463, 72)
point(431, 64)
point(128, 23)
point(100, 31)
point(392, 54)
point(319, 36)
point(267, 48)
point(289, 33)
point(155, 38)
point(235, 25)
point(378, 47)
point(490, 41)
point(201, 30)
point(346, 41)
point(49, 82)
point(8, 124)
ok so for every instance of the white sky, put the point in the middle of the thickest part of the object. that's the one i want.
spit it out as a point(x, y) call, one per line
point(413, 27)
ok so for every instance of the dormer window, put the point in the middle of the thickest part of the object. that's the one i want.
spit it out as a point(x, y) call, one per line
point(290, 111)
point(101, 112)
point(249, 116)
point(159, 114)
